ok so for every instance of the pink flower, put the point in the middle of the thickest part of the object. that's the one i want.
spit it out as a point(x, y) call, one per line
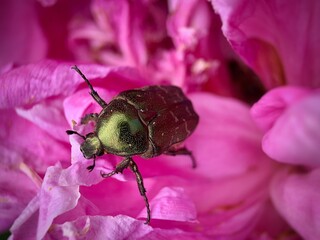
point(47, 191)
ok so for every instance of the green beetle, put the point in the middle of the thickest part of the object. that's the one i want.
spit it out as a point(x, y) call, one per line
point(147, 121)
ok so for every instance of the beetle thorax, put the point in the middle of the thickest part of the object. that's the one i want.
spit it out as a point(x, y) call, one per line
point(120, 130)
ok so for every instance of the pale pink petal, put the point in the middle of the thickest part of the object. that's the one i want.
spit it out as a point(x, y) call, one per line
point(22, 38)
point(56, 197)
point(172, 204)
point(296, 196)
point(117, 228)
point(273, 104)
point(278, 39)
point(295, 136)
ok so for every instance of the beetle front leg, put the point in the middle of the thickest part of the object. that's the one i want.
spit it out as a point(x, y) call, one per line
point(91, 167)
point(119, 168)
point(182, 151)
point(93, 93)
point(89, 117)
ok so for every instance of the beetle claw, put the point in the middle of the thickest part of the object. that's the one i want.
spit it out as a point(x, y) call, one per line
point(90, 168)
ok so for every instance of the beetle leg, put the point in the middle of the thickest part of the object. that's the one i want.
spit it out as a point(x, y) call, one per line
point(93, 93)
point(182, 151)
point(91, 167)
point(119, 168)
point(89, 117)
point(134, 167)
point(128, 162)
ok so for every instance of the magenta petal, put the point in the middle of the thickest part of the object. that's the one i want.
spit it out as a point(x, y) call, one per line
point(22, 38)
point(226, 141)
point(295, 136)
point(278, 39)
point(172, 204)
point(296, 196)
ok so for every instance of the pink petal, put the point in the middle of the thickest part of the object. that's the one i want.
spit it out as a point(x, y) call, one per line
point(296, 196)
point(55, 198)
point(226, 138)
point(273, 104)
point(172, 204)
point(25, 226)
point(116, 228)
point(295, 136)
point(15, 195)
point(278, 39)
point(36, 148)
point(49, 116)
point(29, 84)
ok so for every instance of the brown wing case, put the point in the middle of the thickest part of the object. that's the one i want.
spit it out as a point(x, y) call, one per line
point(166, 111)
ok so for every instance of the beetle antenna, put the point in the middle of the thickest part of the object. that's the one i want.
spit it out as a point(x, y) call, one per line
point(93, 93)
point(70, 132)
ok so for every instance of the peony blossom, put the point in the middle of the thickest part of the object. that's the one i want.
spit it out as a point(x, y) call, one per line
point(257, 169)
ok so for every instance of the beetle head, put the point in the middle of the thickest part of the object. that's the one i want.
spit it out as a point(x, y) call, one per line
point(91, 146)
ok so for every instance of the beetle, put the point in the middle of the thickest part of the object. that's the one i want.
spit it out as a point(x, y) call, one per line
point(147, 121)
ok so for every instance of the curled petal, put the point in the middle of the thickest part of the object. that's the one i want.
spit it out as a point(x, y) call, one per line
point(278, 39)
point(295, 136)
point(272, 105)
